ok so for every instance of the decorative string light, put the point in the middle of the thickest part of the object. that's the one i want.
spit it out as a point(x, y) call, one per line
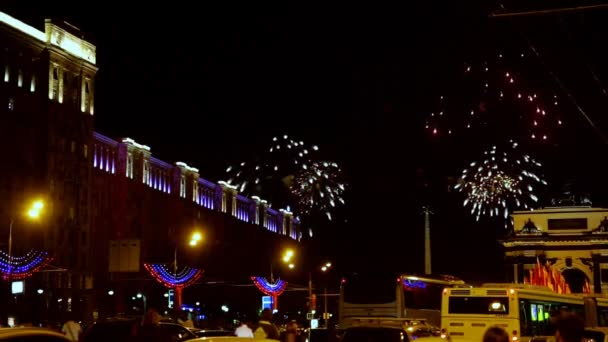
point(21, 267)
point(268, 288)
point(184, 278)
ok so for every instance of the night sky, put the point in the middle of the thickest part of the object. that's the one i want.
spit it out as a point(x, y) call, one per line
point(210, 86)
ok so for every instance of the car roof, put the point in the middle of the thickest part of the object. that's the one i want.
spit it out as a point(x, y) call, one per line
point(228, 339)
point(29, 331)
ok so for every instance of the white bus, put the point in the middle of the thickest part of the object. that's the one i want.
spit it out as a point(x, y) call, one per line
point(523, 311)
point(394, 296)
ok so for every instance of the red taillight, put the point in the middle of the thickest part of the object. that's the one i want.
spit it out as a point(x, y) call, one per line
point(445, 292)
point(514, 338)
point(343, 281)
point(444, 333)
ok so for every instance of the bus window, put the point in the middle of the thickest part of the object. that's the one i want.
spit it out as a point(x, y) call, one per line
point(602, 316)
point(478, 305)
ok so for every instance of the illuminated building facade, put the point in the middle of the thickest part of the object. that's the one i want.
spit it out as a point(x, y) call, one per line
point(574, 240)
point(103, 193)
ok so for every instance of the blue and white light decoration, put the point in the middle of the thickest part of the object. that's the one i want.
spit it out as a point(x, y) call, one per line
point(21, 267)
point(411, 284)
point(268, 288)
point(184, 278)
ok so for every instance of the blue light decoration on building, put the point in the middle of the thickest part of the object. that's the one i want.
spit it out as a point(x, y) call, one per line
point(184, 278)
point(21, 267)
point(268, 288)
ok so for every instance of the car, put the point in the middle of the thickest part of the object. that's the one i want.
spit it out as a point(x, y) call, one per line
point(28, 334)
point(229, 339)
point(390, 329)
point(596, 334)
point(210, 333)
point(125, 329)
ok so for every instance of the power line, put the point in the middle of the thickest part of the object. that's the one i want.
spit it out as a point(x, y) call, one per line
point(549, 11)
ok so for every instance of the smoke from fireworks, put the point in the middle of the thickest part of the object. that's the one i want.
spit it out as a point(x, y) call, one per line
point(501, 182)
point(288, 172)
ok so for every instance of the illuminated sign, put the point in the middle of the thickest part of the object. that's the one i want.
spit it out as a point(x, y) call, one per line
point(413, 284)
point(17, 287)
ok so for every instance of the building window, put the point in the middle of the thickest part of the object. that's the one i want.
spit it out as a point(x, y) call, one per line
point(130, 165)
point(11, 104)
point(33, 83)
point(20, 78)
point(182, 186)
point(84, 105)
point(73, 146)
point(85, 150)
point(54, 82)
point(195, 191)
point(61, 86)
point(7, 73)
point(146, 177)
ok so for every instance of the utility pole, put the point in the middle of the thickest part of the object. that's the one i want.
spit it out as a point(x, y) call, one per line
point(427, 239)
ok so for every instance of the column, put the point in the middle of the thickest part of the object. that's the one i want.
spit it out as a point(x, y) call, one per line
point(255, 208)
point(597, 274)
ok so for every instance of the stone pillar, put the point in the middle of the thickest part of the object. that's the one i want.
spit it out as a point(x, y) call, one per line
point(264, 209)
point(597, 274)
point(229, 193)
point(286, 218)
point(255, 209)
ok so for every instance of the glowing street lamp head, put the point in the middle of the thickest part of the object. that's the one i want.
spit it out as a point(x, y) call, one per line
point(38, 205)
point(33, 213)
point(36, 209)
point(193, 243)
point(328, 265)
point(324, 268)
point(291, 266)
point(288, 255)
point(196, 236)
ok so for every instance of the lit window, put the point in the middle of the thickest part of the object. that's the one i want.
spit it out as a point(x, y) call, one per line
point(7, 73)
point(146, 177)
point(182, 187)
point(130, 165)
point(54, 83)
point(20, 78)
point(33, 83)
point(61, 83)
point(84, 105)
point(11, 104)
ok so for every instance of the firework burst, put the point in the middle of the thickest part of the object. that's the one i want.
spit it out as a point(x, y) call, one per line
point(501, 182)
point(496, 102)
point(319, 187)
point(288, 172)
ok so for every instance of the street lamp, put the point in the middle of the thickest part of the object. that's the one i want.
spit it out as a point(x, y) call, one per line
point(324, 268)
point(33, 213)
point(143, 298)
point(195, 239)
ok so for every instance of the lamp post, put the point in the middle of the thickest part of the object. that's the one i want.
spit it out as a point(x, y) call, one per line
point(33, 213)
point(195, 239)
point(324, 268)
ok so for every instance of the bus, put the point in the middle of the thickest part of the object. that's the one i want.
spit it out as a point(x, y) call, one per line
point(393, 296)
point(524, 311)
